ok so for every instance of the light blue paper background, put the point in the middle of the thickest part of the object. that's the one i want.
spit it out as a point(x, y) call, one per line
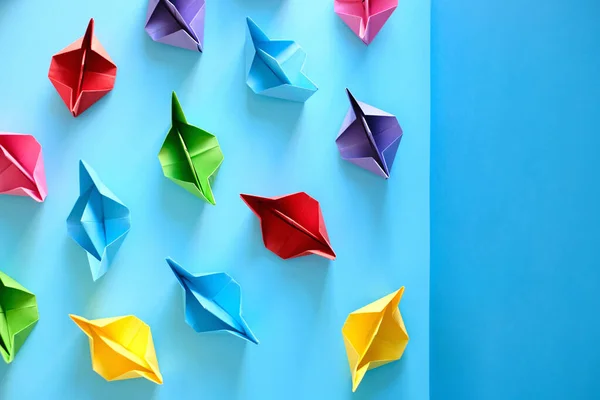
point(515, 200)
point(379, 229)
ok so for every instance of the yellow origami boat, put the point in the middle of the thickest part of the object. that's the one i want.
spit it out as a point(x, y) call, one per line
point(121, 348)
point(374, 335)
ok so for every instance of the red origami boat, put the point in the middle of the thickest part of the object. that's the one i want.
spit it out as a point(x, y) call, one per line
point(292, 225)
point(83, 72)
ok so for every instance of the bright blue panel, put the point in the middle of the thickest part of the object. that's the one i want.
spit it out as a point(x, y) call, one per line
point(379, 229)
point(515, 196)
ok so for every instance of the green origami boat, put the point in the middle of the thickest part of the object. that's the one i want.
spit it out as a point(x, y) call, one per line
point(190, 156)
point(18, 316)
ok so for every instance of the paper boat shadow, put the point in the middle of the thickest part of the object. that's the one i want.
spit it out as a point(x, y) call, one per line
point(372, 185)
point(197, 352)
point(184, 208)
point(311, 273)
point(82, 283)
point(264, 107)
point(357, 53)
point(4, 370)
point(20, 215)
point(271, 5)
point(176, 59)
point(379, 381)
point(250, 234)
point(373, 191)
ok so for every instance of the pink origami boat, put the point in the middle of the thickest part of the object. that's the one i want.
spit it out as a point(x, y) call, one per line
point(22, 166)
point(365, 17)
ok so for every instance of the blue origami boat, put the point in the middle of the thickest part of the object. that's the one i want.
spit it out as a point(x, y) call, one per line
point(98, 222)
point(274, 67)
point(213, 302)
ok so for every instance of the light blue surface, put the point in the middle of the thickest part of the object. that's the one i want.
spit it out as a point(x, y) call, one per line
point(379, 229)
point(515, 199)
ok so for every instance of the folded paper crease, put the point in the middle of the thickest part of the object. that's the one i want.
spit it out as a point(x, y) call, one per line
point(365, 17)
point(213, 302)
point(190, 156)
point(121, 348)
point(369, 137)
point(98, 222)
point(177, 23)
point(18, 316)
point(83, 72)
point(274, 67)
point(374, 336)
point(22, 170)
point(292, 225)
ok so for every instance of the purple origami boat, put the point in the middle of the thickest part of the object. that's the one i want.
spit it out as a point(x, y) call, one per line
point(179, 23)
point(369, 137)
